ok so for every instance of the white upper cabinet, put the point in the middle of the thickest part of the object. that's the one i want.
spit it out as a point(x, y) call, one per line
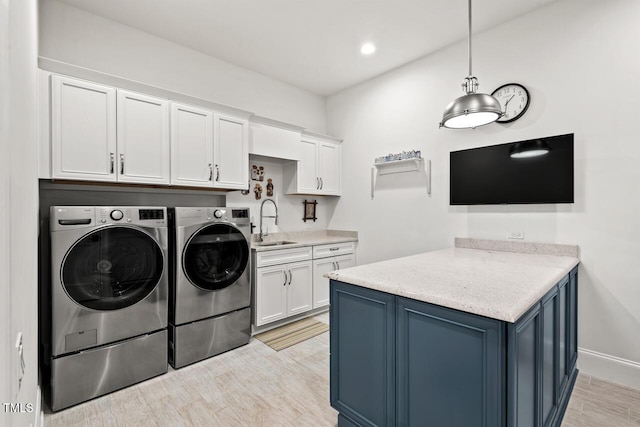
point(230, 152)
point(83, 126)
point(329, 167)
point(103, 134)
point(318, 170)
point(308, 174)
point(272, 141)
point(143, 139)
point(94, 132)
point(191, 146)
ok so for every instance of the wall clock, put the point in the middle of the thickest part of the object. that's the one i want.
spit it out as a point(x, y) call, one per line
point(514, 99)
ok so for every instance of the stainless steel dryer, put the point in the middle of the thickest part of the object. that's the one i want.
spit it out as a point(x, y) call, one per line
point(109, 298)
point(210, 301)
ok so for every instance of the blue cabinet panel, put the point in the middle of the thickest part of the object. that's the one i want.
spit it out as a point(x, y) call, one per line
point(550, 356)
point(524, 357)
point(448, 367)
point(563, 372)
point(573, 318)
point(362, 354)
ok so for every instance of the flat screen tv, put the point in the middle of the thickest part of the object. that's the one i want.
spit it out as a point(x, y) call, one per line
point(492, 175)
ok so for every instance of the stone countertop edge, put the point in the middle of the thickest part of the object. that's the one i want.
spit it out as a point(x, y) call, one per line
point(497, 284)
point(304, 238)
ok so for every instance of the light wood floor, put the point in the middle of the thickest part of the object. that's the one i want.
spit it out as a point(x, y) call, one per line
point(257, 386)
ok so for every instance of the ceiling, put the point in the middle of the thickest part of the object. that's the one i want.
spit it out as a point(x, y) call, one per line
point(311, 44)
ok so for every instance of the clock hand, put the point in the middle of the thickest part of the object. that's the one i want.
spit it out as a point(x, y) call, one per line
point(505, 104)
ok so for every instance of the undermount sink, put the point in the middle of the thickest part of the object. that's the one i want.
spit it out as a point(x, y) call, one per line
point(275, 243)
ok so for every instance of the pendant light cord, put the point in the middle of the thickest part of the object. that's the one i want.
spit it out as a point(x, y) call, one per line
point(470, 72)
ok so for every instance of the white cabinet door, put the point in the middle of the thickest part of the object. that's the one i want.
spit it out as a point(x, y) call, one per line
point(329, 168)
point(271, 294)
point(307, 168)
point(143, 139)
point(83, 126)
point(230, 152)
point(299, 287)
point(191, 146)
point(321, 283)
point(345, 261)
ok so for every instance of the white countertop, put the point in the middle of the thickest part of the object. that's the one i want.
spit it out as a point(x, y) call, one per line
point(305, 238)
point(496, 284)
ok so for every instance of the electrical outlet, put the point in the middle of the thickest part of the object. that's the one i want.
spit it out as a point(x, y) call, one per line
point(516, 235)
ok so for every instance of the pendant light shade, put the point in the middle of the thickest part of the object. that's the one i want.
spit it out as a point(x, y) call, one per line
point(470, 111)
point(473, 109)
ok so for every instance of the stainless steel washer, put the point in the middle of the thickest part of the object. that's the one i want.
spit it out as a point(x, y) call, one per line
point(109, 299)
point(210, 301)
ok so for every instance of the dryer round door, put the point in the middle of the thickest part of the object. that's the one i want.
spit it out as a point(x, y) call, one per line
point(215, 256)
point(112, 268)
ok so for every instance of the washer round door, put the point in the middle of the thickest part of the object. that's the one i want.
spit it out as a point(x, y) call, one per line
point(112, 268)
point(215, 257)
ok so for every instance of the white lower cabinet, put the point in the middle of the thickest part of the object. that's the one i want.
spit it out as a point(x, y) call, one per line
point(282, 287)
point(321, 283)
point(287, 282)
point(329, 258)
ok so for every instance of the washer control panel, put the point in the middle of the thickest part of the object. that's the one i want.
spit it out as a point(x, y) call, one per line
point(212, 214)
point(70, 217)
point(131, 215)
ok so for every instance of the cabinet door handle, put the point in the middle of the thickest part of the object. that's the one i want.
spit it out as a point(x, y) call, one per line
point(317, 183)
point(334, 265)
point(121, 164)
point(321, 183)
point(217, 173)
point(338, 262)
point(111, 156)
point(290, 277)
point(210, 172)
point(284, 273)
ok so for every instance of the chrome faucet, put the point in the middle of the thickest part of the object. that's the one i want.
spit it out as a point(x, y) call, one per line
point(269, 216)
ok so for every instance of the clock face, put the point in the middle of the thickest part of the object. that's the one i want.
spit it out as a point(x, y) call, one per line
point(514, 100)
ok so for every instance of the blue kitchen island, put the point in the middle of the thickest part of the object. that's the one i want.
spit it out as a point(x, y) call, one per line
point(468, 336)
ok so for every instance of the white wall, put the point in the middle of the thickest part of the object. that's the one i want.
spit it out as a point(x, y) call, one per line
point(290, 207)
point(18, 208)
point(74, 36)
point(580, 60)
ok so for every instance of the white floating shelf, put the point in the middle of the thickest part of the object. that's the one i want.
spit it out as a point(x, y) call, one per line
point(397, 166)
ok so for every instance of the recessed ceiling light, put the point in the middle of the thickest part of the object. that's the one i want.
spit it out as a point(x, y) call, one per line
point(367, 49)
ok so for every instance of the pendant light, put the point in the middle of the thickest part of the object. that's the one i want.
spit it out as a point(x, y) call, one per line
point(473, 109)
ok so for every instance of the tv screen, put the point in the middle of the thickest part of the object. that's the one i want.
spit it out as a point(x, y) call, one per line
point(496, 175)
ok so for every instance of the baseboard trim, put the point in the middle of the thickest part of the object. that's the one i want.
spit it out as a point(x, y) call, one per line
point(609, 368)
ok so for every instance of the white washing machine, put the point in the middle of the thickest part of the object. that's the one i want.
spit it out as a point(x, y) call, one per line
point(109, 299)
point(210, 309)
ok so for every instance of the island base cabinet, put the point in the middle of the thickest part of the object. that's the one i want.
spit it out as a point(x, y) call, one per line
point(362, 357)
point(401, 362)
point(448, 367)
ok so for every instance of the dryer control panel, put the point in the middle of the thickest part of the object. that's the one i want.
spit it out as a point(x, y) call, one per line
point(185, 216)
